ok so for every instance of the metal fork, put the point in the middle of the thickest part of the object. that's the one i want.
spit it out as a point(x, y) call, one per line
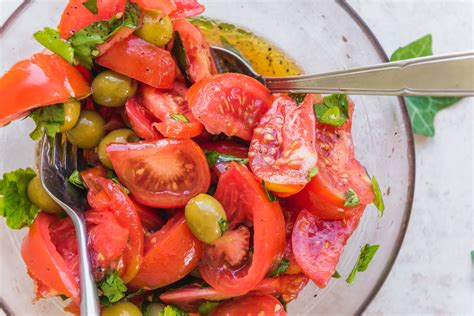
point(58, 159)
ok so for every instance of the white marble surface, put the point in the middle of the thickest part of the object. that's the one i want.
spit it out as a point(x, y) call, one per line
point(433, 274)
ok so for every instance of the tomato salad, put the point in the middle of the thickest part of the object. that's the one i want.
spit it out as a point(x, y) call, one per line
point(206, 192)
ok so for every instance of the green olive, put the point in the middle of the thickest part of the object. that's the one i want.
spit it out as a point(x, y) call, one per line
point(112, 89)
point(205, 217)
point(156, 28)
point(88, 130)
point(154, 309)
point(122, 309)
point(38, 196)
point(123, 135)
point(72, 110)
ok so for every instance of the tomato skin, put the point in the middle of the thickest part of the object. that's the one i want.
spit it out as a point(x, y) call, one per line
point(140, 60)
point(282, 151)
point(165, 173)
point(44, 263)
point(150, 218)
point(251, 305)
point(230, 103)
point(179, 130)
point(119, 36)
point(76, 16)
point(170, 254)
point(165, 6)
point(141, 120)
point(41, 80)
point(227, 147)
point(318, 244)
point(186, 9)
point(245, 201)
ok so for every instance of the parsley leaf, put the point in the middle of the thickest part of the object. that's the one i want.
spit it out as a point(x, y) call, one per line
point(270, 196)
point(422, 110)
point(378, 200)
point(336, 275)
point(214, 157)
point(282, 267)
point(49, 119)
point(297, 97)
point(91, 5)
point(366, 254)
point(352, 199)
point(313, 172)
point(178, 117)
point(51, 39)
point(179, 53)
point(223, 225)
point(14, 203)
point(170, 310)
point(113, 288)
point(206, 308)
point(334, 110)
point(76, 179)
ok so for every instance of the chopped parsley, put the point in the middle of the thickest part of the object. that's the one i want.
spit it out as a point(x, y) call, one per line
point(297, 97)
point(48, 119)
point(270, 196)
point(378, 200)
point(352, 199)
point(223, 225)
point(76, 179)
point(178, 117)
point(113, 289)
point(282, 267)
point(334, 110)
point(336, 275)
point(366, 254)
point(313, 172)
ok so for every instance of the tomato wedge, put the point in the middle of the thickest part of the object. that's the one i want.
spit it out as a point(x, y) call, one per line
point(170, 254)
point(282, 151)
point(227, 147)
point(165, 6)
point(199, 61)
point(142, 61)
point(251, 305)
point(41, 80)
point(245, 201)
point(141, 120)
point(186, 9)
point(76, 16)
point(165, 173)
point(229, 103)
point(318, 244)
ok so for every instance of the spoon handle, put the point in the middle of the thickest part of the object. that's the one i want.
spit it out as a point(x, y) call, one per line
point(442, 75)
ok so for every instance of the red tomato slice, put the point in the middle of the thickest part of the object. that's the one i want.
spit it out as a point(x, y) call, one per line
point(165, 173)
point(45, 265)
point(290, 210)
point(76, 16)
point(142, 61)
point(227, 147)
point(245, 201)
point(41, 80)
point(141, 120)
point(165, 6)
point(179, 130)
point(318, 244)
point(199, 60)
point(251, 305)
point(170, 254)
point(338, 171)
point(186, 9)
point(229, 103)
point(150, 218)
point(282, 151)
point(121, 34)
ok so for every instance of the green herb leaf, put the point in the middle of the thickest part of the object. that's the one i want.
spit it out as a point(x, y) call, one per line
point(63, 297)
point(223, 225)
point(297, 97)
point(113, 288)
point(422, 110)
point(91, 5)
point(51, 39)
point(334, 110)
point(49, 119)
point(76, 179)
point(170, 310)
point(206, 308)
point(179, 53)
point(283, 302)
point(214, 157)
point(366, 254)
point(472, 256)
point(14, 203)
point(336, 275)
point(313, 172)
point(178, 117)
point(352, 199)
point(378, 200)
point(270, 196)
point(282, 267)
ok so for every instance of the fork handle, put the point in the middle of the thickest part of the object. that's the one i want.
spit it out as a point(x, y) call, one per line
point(442, 75)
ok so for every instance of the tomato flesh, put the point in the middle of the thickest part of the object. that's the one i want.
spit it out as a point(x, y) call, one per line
point(282, 151)
point(140, 60)
point(229, 103)
point(187, 8)
point(251, 305)
point(141, 120)
point(41, 80)
point(165, 173)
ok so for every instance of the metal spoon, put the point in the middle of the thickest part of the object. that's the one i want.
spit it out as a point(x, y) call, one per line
point(442, 75)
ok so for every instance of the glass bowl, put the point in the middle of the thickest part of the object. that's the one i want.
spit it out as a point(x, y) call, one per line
point(320, 36)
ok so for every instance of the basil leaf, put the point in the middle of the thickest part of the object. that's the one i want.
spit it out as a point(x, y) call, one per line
point(378, 200)
point(282, 267)
point(297, 97)
point(76, 179)
point(170, 310)
point(270, 196)
point(352, 199)
point(14, 203)
point(179, 53)
point(334, 110)
point(49, 119)
point(336, 275)
point(366, 254)
point(113, 288)
point(213, 157)
point(206, 308)
point(422, 110)
point(91, 5)
point(51, 39)
point(178, 117)
point(223, 225)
